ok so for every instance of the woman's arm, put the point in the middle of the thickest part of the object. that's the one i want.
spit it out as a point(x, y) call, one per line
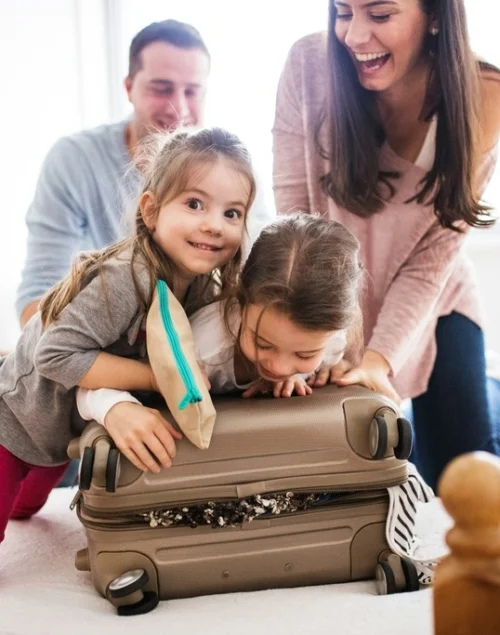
point(289, 163)
point(406, 310)
point(489, 110)
point(489, 120)
point(412, 297)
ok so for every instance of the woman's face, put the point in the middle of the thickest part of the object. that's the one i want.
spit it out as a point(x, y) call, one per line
point(384, 38)
point(279, 348)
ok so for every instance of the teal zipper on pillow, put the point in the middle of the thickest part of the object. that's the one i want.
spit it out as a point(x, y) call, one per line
point(193, 394)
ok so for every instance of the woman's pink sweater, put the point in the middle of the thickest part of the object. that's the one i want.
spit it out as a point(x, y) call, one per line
point(416, 270)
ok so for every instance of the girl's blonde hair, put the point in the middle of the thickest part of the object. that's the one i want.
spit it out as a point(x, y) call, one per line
point(307, 268)
point(168, 162)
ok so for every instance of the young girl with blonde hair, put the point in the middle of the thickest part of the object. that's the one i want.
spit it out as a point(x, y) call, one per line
point(189, 227)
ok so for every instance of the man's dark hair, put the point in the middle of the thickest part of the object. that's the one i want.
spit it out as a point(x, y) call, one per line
point(172, 32)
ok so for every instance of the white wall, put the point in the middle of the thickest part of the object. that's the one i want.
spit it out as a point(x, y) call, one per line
point(483, 247)
point(47, 91)
point(37, 105)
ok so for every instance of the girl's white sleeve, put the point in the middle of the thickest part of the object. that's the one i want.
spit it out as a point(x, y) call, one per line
point(95, 404)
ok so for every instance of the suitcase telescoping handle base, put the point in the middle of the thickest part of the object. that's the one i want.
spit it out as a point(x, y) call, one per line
point(104, 456)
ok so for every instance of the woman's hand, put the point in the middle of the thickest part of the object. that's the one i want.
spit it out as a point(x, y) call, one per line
point(373, 374)
point(279, 389)
point(143, 435)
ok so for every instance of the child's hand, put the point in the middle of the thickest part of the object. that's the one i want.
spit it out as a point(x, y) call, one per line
point(329, 374)
point(373, 374)
point(143, 435)
point(279, 389)
point(259, 387)
point(295, 384)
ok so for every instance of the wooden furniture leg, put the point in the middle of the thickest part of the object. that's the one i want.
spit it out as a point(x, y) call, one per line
point(467, 584)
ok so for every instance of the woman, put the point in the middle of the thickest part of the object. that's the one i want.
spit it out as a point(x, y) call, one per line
point(389, 125)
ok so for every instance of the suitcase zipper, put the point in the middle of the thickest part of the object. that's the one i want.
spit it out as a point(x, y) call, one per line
point(96, 518)
point(193, 394)
point(344, 489)
point(75, 499)
point(303, 490)
point(365, 492)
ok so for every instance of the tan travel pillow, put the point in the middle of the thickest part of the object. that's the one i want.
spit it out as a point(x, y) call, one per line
point(172, 357)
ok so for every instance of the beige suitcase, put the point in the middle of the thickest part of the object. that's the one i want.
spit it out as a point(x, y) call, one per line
point(331, 456)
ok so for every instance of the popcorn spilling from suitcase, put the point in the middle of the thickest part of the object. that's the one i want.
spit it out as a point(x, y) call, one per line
point(234, 513)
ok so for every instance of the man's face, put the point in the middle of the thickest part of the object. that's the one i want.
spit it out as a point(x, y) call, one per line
point(169, 89)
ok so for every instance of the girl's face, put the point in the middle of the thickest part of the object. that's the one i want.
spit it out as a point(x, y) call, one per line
point(202, 228)
point(385, 39)
point(282, 348)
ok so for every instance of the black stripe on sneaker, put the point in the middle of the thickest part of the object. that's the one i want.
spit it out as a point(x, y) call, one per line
point(410, 501)
point(410, 517)
point(409, 531)
point(417, 497)
point(403, 548)
point(397, 530)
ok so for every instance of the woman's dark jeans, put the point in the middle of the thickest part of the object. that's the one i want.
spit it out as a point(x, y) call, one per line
point(461, 409)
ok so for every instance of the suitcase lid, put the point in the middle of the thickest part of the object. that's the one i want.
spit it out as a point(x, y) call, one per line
point(316, 443)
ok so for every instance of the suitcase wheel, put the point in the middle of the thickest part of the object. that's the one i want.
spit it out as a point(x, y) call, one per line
point(127, 583)
point(86, 468)
point(405, 439)
point(411, 575)
point(396, 575)
point(149, 602)
point(125, 592)
point(378, 437)
point(386, 582)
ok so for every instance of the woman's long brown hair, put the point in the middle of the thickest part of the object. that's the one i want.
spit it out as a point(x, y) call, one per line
point(168, 161)
point(355, 132)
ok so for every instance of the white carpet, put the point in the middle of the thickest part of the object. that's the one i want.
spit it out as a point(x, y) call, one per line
point(41, 593)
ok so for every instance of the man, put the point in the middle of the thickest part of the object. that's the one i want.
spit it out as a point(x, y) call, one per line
point(87, 182)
